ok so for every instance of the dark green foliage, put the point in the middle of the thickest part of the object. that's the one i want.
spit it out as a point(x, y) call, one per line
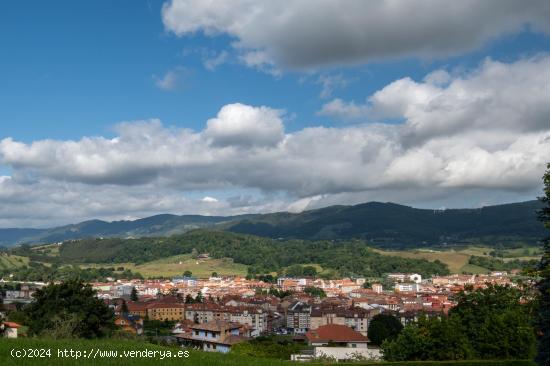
point(187, 273)
point(134, 294)
point(382, 327)
point(543, 319)
point(124, 307)
point(262, 255)
point(494, 264)
point(429, 339)
point(315, 292)
point(70, 302)
point(39, 272)
point(496, 322)
point(268, 347)
point(491, 323)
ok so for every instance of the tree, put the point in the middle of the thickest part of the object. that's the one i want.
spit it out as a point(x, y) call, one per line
point(429, 339)
point(187, 273)
point(497, 321)
point(315, 292)
point(124, 307)
point(189, 299)
point(214, 274)
point(199, 297)
point(543, 319)
point(134, 294)
point(309, 271)
point(382, 327)
point(69, 301)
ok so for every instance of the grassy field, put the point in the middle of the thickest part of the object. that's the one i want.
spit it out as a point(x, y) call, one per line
point(176, 265)
point(12, 261)
point(457, 260)
point(87, 350)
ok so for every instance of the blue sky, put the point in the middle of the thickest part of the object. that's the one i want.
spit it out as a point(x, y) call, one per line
point(72, 71)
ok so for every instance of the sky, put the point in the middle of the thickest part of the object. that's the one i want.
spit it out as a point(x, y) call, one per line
point(125, 109)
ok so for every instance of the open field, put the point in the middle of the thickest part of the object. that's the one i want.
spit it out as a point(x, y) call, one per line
point(176, 265)
point(88, 348)
point(457, 260)
point(12, 261)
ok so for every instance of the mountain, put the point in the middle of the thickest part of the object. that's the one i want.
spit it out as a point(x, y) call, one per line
point(382, 224)
point(393, 225)
point(158, 225)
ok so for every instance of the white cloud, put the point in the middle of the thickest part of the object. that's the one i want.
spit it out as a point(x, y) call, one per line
point(482, 136)
point(331, 82)
point(208, 199)
point(211, 63)
point(172, 79)
point(305, 34)
point(241, 125)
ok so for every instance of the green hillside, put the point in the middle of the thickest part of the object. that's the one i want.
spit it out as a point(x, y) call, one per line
point(260, 255)
point(392, 225)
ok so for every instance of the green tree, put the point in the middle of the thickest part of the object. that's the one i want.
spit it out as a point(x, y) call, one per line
point(71, 300)
point(134, 294)
point(214, 274)
point(497, 321)
point(189, 299)
point(315, 292)
point(187, 273)
point(543, 319)
point(429, 339)
point(309, 271)
point(382, 327)
point(124, 307)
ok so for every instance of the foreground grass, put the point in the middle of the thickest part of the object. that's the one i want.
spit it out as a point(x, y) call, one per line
point(9, 346)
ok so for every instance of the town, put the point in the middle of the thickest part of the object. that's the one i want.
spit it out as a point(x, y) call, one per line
point(213, 314)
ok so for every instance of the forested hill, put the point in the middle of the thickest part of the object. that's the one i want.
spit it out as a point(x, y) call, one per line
point(381, 224)
point(393, 225)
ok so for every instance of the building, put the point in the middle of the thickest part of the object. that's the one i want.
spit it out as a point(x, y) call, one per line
point(355, 318)
point(298, 318)
point(338, 342)
point(10, 329)
point(215, 336)
point(165, 311)
point(130, 323)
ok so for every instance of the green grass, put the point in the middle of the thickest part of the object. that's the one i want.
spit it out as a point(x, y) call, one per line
point(195, 357)
point(176, 265)
point(12, 261)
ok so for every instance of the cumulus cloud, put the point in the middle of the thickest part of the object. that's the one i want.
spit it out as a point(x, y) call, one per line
point(479, 137)
point(305, 34)
point(242, 125)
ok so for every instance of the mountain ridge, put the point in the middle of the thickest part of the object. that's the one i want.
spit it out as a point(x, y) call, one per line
point(381, 223)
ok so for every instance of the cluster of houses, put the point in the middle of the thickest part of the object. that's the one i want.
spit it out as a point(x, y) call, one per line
point(216, 313)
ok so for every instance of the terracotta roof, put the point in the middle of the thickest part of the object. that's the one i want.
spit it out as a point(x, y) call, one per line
point(12, 325)
point(335, 333)
point(216, 325)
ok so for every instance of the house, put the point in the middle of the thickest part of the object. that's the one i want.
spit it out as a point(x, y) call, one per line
point(214, 336)
point(10, 329)
point(130, 323)
point(338, 342)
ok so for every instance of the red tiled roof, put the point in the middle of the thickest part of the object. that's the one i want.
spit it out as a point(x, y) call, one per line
point(12, 325)
point(335, 333)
